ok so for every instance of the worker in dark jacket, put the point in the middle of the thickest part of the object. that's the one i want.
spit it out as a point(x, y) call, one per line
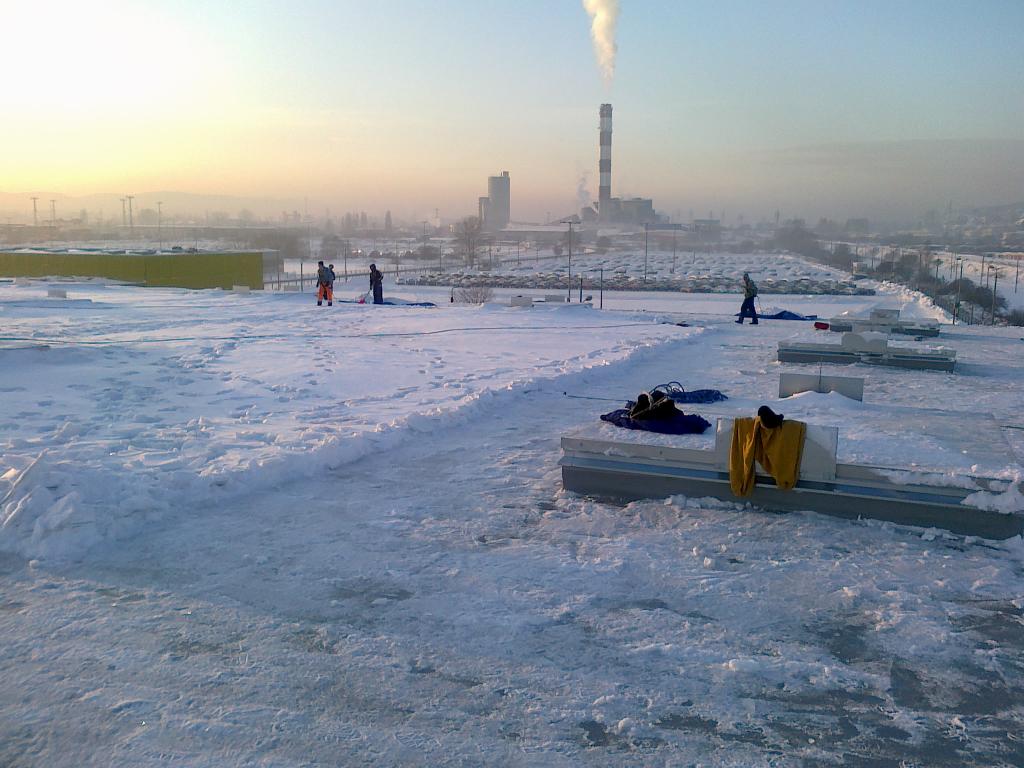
point(747, 307)
point(324, 285)
point(377, 284)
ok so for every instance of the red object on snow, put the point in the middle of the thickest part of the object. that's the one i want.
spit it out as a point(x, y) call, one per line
point(821, 326)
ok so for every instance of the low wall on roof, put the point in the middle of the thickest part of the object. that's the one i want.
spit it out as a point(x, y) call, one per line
point(172, 270)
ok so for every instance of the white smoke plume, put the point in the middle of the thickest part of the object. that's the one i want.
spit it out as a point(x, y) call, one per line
point(604, 15)
point(583, 198)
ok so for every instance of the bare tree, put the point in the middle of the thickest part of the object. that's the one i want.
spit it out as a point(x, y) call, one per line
point(474, 294)
point(468, 234)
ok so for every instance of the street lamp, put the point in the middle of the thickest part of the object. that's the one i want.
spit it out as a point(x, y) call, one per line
point(159, 222)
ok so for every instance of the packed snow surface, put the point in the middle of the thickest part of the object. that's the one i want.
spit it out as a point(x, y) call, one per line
point(120, 402)
point(244, 530)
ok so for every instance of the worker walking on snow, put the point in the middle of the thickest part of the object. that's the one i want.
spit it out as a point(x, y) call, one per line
point(377, 284)
point(747, 307)
point(324, 287)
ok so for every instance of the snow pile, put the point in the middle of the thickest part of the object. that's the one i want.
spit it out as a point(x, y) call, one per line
point(1009, 501)
point(913, 305)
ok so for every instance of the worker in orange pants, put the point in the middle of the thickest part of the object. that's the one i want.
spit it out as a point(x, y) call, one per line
point(324, 285)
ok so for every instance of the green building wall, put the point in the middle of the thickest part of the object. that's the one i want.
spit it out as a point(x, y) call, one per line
point(171, 270)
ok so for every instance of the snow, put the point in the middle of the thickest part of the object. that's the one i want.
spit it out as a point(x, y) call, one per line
point(142, 402)
point(1010, 500)
point(1008, 285)
point(256, 532)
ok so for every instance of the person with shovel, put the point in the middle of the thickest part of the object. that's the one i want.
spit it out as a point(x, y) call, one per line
point(324, 285)
point(377, 284)
point(747, 307)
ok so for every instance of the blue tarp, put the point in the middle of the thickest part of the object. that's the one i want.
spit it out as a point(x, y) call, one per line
point(678, 424)
point(785, 314)
point(698, 396)
point(390, 303)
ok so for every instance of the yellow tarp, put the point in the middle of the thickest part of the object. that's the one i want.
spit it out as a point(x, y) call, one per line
point(777, 450)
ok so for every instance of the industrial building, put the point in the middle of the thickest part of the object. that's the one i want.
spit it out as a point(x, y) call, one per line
point(495, 210)
point(175, 269)
point(615, 210)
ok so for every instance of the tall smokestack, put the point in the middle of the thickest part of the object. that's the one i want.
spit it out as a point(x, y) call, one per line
point(604, 165)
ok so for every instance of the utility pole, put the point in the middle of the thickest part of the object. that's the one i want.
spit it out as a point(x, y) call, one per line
point(159, 224)
point(673, 251)
point(35, 214)
point(53, 219)
point(124, 213)
point(959, 286)
point(131, 218)
point(995, 288)
point(645, 251)
point(569, 281)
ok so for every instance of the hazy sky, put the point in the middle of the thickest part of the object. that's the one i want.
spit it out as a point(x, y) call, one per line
point(814, 107)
